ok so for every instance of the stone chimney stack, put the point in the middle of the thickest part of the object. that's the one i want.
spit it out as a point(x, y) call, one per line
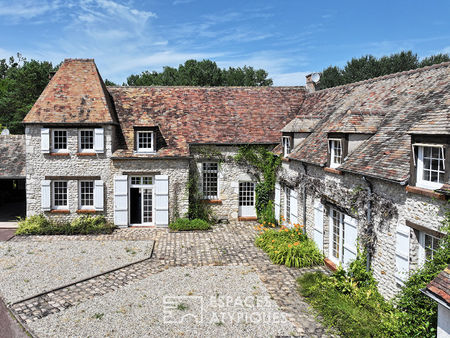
point(310, 85)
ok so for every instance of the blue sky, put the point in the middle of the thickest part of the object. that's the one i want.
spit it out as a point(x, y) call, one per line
point(287, 38)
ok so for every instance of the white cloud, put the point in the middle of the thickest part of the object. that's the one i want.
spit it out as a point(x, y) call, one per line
point(182, 2)
point(290, 79)
point(15, 10)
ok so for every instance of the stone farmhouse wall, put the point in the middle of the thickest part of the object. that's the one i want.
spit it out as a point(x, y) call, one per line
point(40, 166)
point(341, 190)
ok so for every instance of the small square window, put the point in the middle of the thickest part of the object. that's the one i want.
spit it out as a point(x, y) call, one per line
point(145, 141)
point(59, 140)
point(86, 140)
point(335, 153)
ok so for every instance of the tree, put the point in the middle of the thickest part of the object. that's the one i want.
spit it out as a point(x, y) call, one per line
point(201, 73)
point(21, 83)
point(368, 66)
point(110, 83)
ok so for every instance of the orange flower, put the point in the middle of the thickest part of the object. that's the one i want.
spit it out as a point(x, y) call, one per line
point(286, 230)
point(273, 241)
point(296, 243)
point(289, 245)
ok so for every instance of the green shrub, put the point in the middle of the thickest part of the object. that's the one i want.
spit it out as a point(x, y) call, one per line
point(83, 225)
point(361, 313)
point(290, 247)
point(183, 224)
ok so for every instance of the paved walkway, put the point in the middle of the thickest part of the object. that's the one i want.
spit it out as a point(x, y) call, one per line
point(230, 244)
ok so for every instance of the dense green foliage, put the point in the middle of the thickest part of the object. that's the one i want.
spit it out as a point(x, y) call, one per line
point(267, 165)
point(350, 302)
point(189, 224)
point(290, 247)
point(21, 83)
point(83, 225)
point(197, 208)
point(368, 66)
point(201, 73)
point(418, 313)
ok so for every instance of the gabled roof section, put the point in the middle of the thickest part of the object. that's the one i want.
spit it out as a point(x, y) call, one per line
point(205, 115)
point(76, 94)
point(301, 125)
point(358, 122)
point(439, 287)
point(12, 156)
point(418, 100)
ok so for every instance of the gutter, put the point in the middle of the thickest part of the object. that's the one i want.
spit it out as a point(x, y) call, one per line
point(437, 299)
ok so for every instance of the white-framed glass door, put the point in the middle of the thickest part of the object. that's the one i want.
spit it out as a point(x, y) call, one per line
point(247, 199)
point(336, 224)
point(141, 199)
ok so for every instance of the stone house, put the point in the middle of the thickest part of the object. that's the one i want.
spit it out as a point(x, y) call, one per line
point(366, 162)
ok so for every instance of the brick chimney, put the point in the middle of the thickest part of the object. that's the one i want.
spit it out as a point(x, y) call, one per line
point(310, 85)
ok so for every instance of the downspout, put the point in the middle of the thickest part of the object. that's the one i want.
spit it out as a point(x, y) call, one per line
point(304, 198)
point(369, 217)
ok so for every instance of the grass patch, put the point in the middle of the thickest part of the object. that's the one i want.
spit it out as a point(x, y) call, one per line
point(290, 247)
point(83, 225)
point(184, 224)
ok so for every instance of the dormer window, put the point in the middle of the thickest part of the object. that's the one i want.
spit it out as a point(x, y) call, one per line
point(430, 166)
point(145, 141)
point(286, 141)
point(336, 152)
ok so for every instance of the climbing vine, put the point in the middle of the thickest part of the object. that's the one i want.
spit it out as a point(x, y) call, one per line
point(197, 208)
point(265, 165)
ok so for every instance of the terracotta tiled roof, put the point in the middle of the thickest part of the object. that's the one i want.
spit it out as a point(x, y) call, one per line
point(417, 100)
point(358, 122)
point(301, 125)
point(12, 156)
point(75, 94)
point(214, 115)
point(440, 286)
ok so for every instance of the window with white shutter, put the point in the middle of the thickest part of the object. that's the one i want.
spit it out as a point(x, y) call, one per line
point(99, 140)
point(45, 140)
point(402, 253)
point(161, 200)
point(46, 195)
point(98, 195)
point(318, 224)
point(121, 200)
point(277, 201)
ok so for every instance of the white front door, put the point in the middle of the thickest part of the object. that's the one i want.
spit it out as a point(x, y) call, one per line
point(247, 199)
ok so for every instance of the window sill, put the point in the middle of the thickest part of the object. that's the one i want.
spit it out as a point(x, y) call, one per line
point(59, 154)
point(329, 264)
point(60, 211)
point(333, 171)
point(247, 219)
point(212, 201)
point(285, 159)
point(86, 154)
point(425, 192)
point(86, 211)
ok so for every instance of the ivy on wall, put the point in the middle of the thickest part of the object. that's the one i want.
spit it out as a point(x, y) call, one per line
point(266, 165)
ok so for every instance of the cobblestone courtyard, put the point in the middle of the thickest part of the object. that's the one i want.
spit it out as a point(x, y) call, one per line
point(227, 245)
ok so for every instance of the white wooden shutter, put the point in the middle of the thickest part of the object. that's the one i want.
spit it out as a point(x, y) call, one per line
point(161, 200)
point(350, 240)
point(45, 195)
point(277, 201)
point(121, 200)
point(99, 140)
point(98, 195)
point(294, 206)
point(200, 177)
point(45, 140)
point(402, 253)
point(318, 224)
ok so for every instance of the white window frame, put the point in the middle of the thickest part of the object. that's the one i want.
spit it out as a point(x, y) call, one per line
point(420, 182)
point(205, 196)
point(141, 186)
point(80, 149)
point(287, 202)
point(65, 150)
point(341, 215)
point(86, 207)
point(60, 207)
point(332, 147)
point(145, 150)
point(422, 250)
point(286, 142)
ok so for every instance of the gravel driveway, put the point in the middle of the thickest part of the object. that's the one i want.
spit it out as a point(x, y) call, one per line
point(220, 301)
point(31, 267)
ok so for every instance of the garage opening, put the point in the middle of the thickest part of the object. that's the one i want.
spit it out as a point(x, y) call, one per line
point(12, 199)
